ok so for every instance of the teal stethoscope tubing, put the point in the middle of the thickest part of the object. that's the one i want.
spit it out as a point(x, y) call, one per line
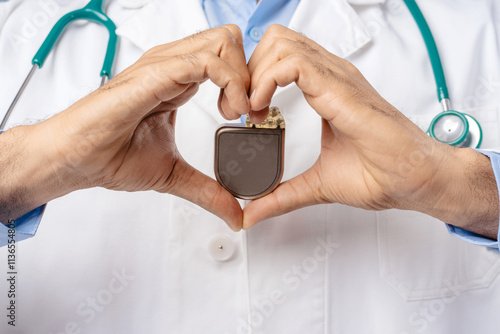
point(93, 11)
point(471, 128)
point(437, 67)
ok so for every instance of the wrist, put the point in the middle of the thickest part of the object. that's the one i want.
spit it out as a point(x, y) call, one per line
point(32, 175)
point(61, 171)
point(463, 192)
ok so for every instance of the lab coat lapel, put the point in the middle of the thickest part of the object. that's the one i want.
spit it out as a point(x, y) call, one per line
point(332, 23)
point(163, 21)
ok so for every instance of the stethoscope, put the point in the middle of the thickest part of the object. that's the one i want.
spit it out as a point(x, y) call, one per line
point(450, 126)
point(93, 11)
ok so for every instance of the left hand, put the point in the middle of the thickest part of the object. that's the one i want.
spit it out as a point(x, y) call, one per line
point(122, 136)
point(372, 156)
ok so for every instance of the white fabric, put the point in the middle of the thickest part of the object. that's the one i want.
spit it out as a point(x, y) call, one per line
point(110, 262)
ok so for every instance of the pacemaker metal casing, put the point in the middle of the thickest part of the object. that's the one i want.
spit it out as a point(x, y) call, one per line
point(249, 161)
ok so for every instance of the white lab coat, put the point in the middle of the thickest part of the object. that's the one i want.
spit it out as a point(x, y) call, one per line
point(115, 262)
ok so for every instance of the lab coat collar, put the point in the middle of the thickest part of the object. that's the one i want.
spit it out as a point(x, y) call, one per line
point(163, 21)
point(332, 23)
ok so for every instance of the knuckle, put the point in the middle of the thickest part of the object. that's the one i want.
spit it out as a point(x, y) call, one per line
point(298, 59)
point(275, 30)
point(245, 76)
point(235, 79)
point(224, 37)
point(349, 66)
point(224, 32)
point(205, 56)
point(154, 50)
point(233, 29)
point(281, 44)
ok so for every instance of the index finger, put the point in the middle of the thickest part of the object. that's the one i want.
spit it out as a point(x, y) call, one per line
point(226, 43)
point(238, 61)
point(278, 43)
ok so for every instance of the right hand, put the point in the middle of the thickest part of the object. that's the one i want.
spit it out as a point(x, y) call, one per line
point(121, 136)
point(372, 156)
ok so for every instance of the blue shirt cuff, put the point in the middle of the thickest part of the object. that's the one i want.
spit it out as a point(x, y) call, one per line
point(472, 237)
point(25, 227)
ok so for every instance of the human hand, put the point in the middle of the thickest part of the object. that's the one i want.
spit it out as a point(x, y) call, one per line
point(121, 136)
point(372, 156)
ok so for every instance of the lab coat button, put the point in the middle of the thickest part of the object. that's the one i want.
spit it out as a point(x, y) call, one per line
point(255, 34)
point(221, 248)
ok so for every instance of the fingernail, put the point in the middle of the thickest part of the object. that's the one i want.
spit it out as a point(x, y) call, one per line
point(236, 227)
point(244, 226)
point(253, 95)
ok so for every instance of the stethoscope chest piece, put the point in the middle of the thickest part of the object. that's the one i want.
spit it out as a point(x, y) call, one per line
point(457, 129)
point(450, 127)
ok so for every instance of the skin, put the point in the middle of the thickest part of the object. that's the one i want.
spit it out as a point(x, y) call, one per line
point(121, 137)
point(360, 165)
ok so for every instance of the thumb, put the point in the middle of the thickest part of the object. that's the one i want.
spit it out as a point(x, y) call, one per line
point(196, 187)
point(301, 191)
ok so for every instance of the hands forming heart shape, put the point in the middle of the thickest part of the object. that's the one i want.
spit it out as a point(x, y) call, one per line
point(372, 156)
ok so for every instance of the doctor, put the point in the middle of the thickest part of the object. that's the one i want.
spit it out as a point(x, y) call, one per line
point(160, 264)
